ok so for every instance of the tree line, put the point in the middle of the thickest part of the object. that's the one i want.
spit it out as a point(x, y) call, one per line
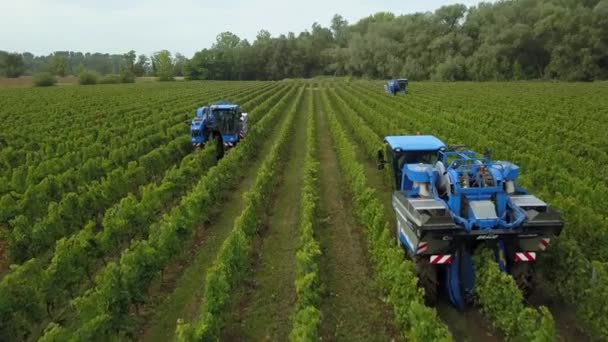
point(64, 63)
point(505, 40)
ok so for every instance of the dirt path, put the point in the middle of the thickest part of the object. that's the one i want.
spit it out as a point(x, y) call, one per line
point(262, 307)
point(180, 296)
point(352, 307)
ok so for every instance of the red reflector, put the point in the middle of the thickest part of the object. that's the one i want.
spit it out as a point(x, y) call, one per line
point(441, 259)
point(525, 256)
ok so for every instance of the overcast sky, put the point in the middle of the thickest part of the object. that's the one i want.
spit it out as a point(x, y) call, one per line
point(186, 26)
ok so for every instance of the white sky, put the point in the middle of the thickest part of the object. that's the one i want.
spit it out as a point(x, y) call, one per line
point(186, 26)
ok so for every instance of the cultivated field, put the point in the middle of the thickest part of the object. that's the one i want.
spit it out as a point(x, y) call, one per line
point(113, 227)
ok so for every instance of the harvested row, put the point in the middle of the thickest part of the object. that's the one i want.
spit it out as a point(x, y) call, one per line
point(352, 306)
point(260, 307)
point(230, 264)
point(396, 275)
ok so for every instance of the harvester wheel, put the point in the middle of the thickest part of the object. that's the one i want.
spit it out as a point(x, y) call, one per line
point(427, 279)
point(523, 273)
point(219, 143)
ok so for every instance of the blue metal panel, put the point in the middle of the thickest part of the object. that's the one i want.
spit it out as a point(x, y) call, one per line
point(230, 137)
point(509, 170)
point(404, 240)
point(418, 172)
point(224, 106)
point(415, 143)
point(200, 112)
point(406, 183)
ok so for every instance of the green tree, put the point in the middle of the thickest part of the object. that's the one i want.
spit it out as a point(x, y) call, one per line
point(127, 68)
point(141, 66)
point(197, 67)
point(226, 40)
point(339, 28)
point(12, 64)
point(179, 61)
point(58, 65)
point(129, 60)
point(163, 65)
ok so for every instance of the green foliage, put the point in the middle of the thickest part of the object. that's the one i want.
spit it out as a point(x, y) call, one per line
point(502, 302)
point(395, 275)
point(231, 262)
point(58, 65)
point(141, 66)
point(566, 268)
point(579, 282)
point(492, 41)
point(11, 64)
point(88, 78)
point(105, 308)
point(307, 315)
point(127, 76)
point(502, 40)
point(110, 79)
point(77, 255)
point(44, 79)
point(99, 235)
point(162, 63)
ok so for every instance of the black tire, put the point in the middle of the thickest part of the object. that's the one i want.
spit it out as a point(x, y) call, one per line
point(523, 274)
point(219, 146)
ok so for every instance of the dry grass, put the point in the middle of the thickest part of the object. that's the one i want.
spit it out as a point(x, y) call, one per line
point(27, 81)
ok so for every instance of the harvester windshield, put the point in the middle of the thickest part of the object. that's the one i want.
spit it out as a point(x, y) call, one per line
point(402, 84)
point(227, 120)
point(223, 119)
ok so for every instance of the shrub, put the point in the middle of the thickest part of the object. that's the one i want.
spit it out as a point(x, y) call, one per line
point(44, 79)
point(110, 79)
point(88, 77)
point(127, 76)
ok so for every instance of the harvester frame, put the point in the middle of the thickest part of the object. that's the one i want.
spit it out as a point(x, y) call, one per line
point(222, 122)
point(449, 202)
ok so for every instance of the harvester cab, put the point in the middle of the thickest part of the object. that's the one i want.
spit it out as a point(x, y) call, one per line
point(396, 86)
point(223, 122)
point(448, 202)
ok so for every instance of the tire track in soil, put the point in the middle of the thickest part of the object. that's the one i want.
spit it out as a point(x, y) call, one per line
point(352, 306)
point(261, 309)
point(179, 295)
